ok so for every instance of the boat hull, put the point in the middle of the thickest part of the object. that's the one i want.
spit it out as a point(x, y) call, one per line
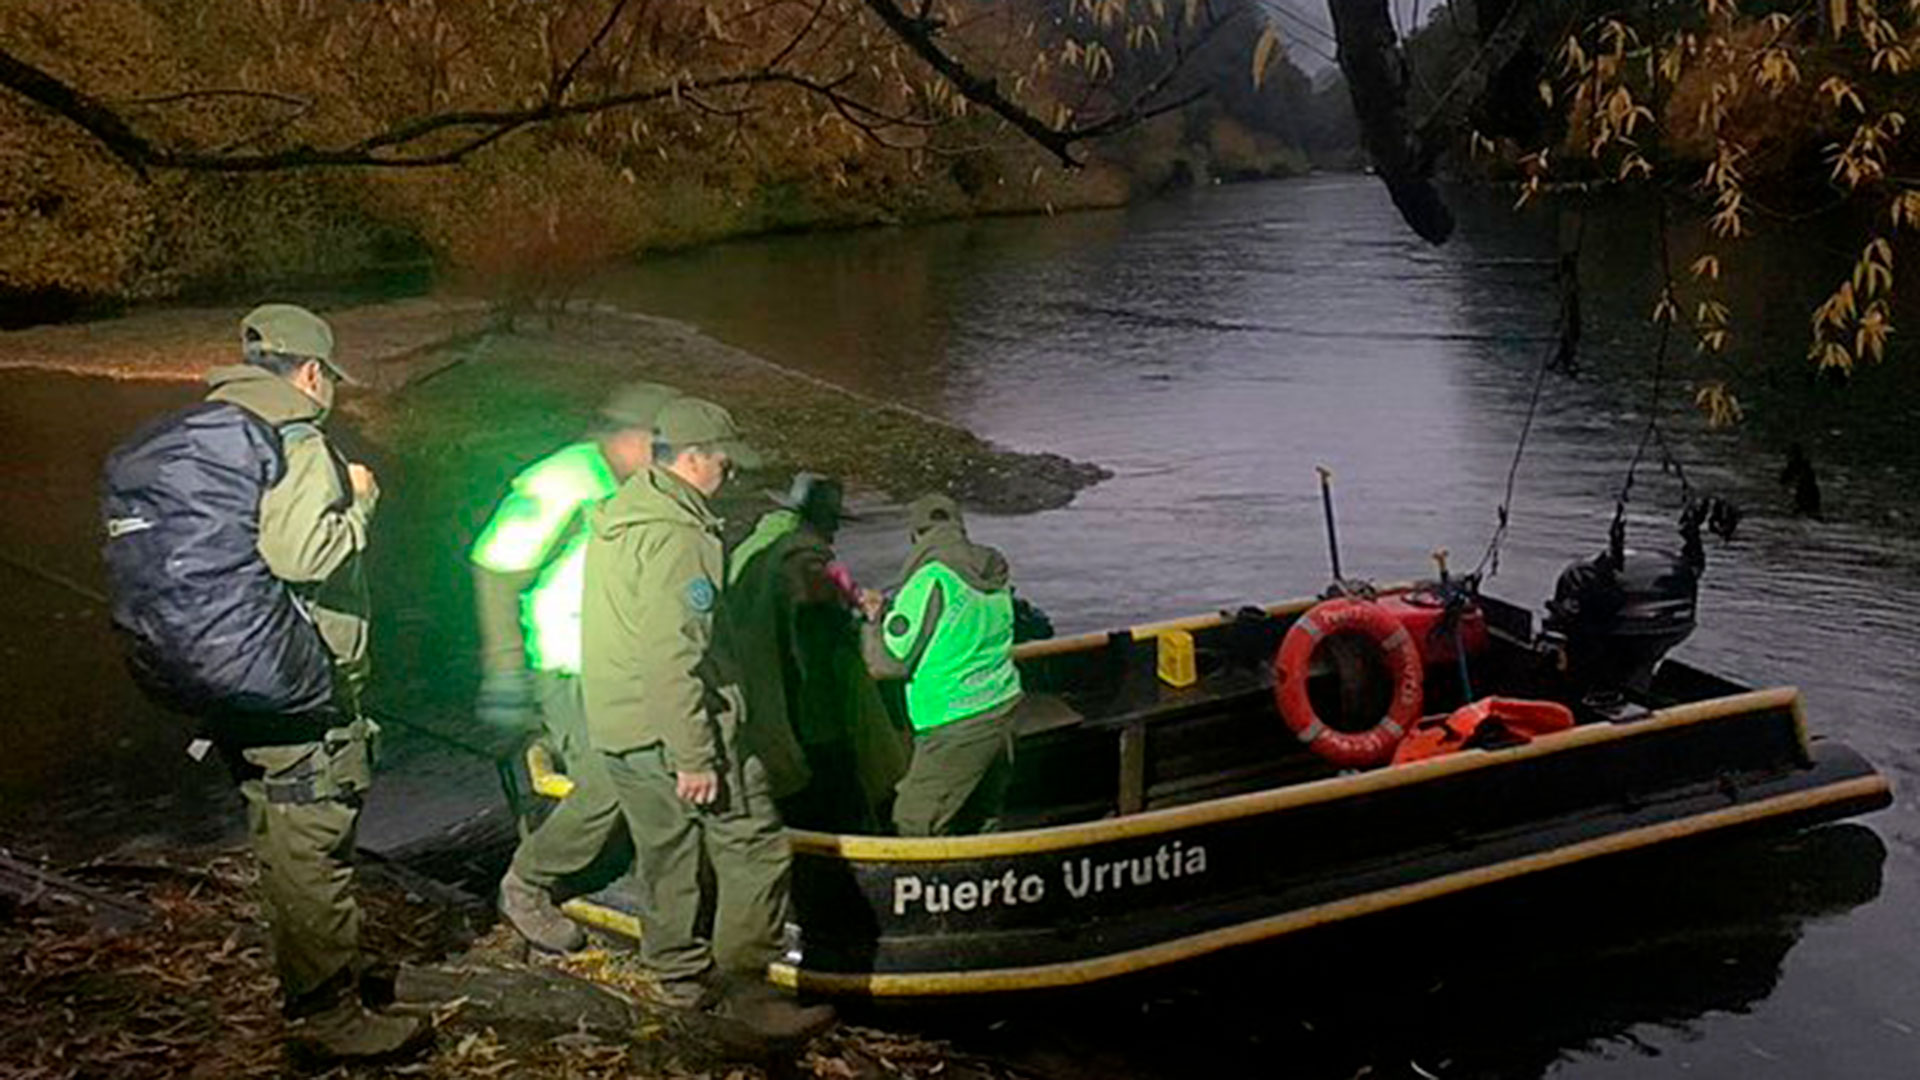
point(1152, 823)
point(1074, 904)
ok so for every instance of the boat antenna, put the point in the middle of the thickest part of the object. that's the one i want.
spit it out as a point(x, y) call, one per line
point(1326, 503)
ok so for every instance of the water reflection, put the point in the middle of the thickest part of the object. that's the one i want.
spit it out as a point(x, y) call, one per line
point(1508, 984)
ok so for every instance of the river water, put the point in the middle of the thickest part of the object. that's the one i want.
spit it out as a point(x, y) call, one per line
point(1211, 351)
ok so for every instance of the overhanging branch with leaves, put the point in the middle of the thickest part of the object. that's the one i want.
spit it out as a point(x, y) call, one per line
point(447, 137)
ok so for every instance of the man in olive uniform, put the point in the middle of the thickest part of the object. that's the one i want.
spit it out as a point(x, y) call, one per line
point(949, 632)
point(794, 607)
point(259, 628)
point(529, 574)
point(664, 707)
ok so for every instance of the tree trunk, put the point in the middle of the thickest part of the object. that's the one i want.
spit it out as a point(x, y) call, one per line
point(1376, 71)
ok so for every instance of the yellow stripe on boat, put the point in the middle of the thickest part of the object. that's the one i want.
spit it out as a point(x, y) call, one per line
point(1034, 650)
point(1075, 972)
point(600, 917)
point(547, 780)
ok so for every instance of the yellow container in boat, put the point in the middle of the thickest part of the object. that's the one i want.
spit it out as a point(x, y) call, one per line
point(1175, 655)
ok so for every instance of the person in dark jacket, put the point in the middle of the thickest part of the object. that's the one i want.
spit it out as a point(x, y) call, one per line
point(258, 627)
point(799, 646)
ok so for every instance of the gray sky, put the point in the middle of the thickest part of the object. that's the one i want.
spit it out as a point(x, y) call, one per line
point(1307, 29)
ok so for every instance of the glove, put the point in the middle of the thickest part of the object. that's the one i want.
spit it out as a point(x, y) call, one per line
point(506, 702)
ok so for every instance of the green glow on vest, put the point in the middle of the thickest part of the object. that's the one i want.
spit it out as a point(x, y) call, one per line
point(967, 667)
point(766, 532)
point(542, 524)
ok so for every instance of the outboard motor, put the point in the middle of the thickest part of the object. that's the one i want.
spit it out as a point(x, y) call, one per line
point(1619, 613)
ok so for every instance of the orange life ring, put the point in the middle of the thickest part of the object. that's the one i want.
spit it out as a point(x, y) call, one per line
point(1347, 615)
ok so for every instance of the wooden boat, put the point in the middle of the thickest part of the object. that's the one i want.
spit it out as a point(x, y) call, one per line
point(1149, 823)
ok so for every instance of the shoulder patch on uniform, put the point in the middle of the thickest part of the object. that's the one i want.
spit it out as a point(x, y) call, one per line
point(897, 625)
point(701, 595)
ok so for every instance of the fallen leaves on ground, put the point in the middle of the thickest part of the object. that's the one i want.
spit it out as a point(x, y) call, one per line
point(194, 996)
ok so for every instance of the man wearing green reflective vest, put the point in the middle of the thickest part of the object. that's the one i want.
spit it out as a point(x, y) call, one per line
point(529, 572)
point(949, 633)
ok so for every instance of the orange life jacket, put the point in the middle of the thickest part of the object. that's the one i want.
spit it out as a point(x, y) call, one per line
point(1517, 717)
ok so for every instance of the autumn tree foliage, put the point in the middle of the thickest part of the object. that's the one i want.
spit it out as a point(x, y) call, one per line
point(1727, 100)
point(1742, 114)
point(147, 144)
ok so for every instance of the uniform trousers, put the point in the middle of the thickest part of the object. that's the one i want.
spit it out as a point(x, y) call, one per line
point(958, 776)
point(740, 836)
point(303, 811)
point(573, 837)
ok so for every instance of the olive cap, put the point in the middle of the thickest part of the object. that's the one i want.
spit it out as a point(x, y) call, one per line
point(636, 404)
point(291, 330)
point(927, 511)
point(687, 421)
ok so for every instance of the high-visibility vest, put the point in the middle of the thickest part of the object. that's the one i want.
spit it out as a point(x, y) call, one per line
point(967, 667)
point(766, 532)
point(542, 524)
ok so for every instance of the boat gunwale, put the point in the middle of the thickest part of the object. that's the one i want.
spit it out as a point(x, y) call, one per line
point(886, 849)
point(1098, 639)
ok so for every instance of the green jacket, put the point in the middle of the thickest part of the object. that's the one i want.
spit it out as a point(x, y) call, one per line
point(531, 560)
point(312, 528)
point(949, 630)
point(654, 660)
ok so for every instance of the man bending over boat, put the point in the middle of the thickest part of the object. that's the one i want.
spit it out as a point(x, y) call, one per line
point(949, 633)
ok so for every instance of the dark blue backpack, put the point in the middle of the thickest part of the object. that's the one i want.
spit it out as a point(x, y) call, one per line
point(208, 630)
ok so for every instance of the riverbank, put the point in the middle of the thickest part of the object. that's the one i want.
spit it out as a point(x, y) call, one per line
point(178, 982)
point(446, 388)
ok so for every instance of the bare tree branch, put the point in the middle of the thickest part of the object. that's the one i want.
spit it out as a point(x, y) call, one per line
point(191, 95)
point(1404, 151)
point(565, 81)
point(141, 154)
point(1141, 109)
point(1504, 41)
point(806, 28)
point(93, 117)
point(262, 132)
point(921, 33)
point(918, 34)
